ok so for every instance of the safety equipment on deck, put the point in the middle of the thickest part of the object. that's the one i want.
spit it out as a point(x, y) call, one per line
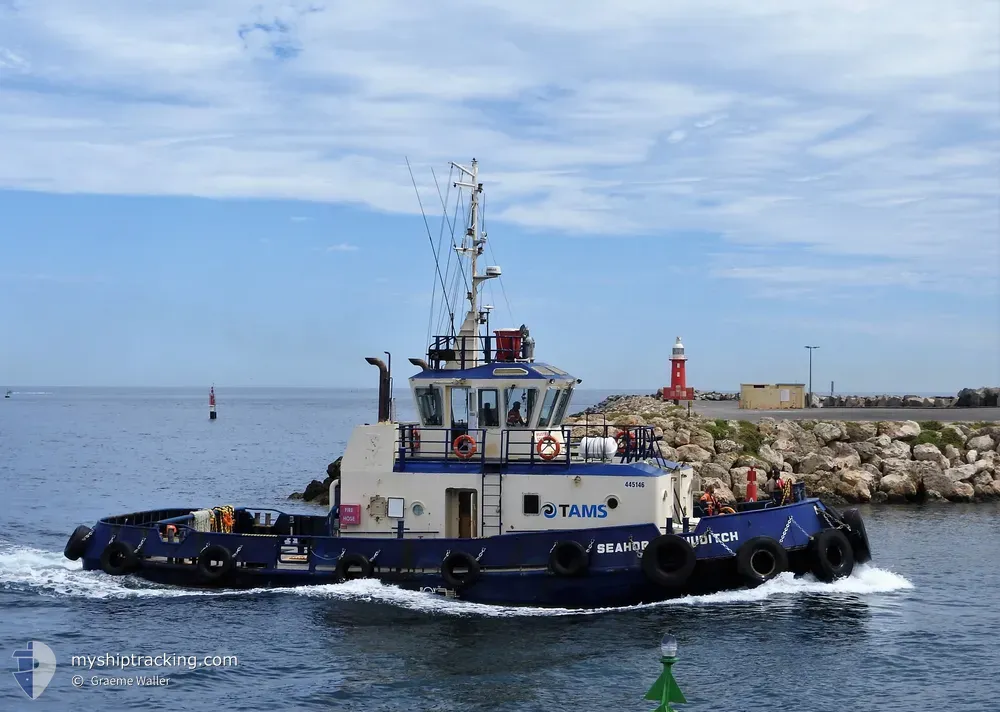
point(414, 440)
point(349, 561)
point(832, 556)
point(460, 560)
point(547, 447)
point(469, 448)
point(668, 561)
point(118, 558)
point(215, 562)
point(76, 546)
point(625, 441)
point(760, 559)
point(568, 558)
point(858, 536)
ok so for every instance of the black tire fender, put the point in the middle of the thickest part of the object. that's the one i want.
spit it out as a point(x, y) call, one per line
point(460, 560)
point(347, 561)
point(118, 558)
point(858, 536)
point(568, 558)
point(760, 559)
point(78, 541)
point(215, 552)
point(668, 561)
point(832, 555)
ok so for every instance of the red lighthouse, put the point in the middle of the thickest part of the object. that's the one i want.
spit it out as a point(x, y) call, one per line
point(678, 390)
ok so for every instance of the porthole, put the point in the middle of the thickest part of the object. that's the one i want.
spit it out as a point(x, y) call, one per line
point(417, 508)
point(612, 502)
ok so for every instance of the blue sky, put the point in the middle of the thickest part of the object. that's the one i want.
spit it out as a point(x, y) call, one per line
point(190, 195)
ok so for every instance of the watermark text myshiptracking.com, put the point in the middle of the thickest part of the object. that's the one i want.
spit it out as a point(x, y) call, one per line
point(123, 661)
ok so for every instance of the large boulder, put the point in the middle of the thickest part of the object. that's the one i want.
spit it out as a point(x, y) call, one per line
point(722, 491)
point(865, 450)
point(693, 453)
point(815, 461)
point(980, 442)
point(962, 473)
point(896, 448)
point(898, 487)
point(726, 460)
point(683, 437)
point(711, 470)
point(897, 429)
point(771, 456)
point(703, 440)
point(844, 456)
point(825, 432)
point(988, 490)
point(855, 485)
point(761, 465)
point(860, 431)
point(722, 446)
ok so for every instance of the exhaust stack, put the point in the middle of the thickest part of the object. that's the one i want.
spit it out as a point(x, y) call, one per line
point(384, 392)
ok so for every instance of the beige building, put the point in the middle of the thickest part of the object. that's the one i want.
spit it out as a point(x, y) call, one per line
point(776, 396)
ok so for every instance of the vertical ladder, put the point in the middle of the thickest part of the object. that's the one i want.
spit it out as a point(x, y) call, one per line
point(491, 508)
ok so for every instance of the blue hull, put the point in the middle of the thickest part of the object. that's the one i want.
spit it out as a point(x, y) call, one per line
point(514, 569)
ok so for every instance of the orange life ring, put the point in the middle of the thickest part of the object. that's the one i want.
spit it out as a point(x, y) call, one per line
point(551, 451)
point(170, 532)
point(459, 441)
point(727, 510)
point(414, 440)
point(624, 439)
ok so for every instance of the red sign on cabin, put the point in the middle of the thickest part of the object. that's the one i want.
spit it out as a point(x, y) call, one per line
point(350, 514)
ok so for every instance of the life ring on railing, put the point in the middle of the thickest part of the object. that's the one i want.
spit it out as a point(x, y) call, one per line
point(727, 510)
point(551, 450)
point(170, 532)
point(414, 440)
point(469, 451)
point(625, 441)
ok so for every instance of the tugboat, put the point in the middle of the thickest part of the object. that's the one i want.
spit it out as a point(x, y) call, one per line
point(490, 497)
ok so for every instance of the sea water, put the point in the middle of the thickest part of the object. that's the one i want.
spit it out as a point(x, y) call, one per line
point(914, 629)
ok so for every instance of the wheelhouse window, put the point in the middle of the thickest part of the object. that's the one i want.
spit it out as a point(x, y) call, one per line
point(548, 406)
point(560, 414)
point(489, 408)
point(429, 405)
point(520, 404)
point(460, 407)
point(532, 504)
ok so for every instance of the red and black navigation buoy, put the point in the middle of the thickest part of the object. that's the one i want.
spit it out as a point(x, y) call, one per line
point(211, 404)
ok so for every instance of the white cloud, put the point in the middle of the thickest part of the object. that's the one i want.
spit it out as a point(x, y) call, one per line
point(342, 247)
point(860, 130)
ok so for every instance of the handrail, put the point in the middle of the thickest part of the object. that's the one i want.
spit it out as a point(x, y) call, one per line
point(636, 443)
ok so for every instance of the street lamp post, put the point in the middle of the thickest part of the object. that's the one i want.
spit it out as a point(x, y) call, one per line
point(811, 374)
point(665, 689)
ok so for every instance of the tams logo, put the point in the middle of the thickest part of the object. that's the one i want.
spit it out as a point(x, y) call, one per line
point(586, 511)
point(36, 664)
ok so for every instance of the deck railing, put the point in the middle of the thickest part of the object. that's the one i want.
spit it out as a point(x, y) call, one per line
point(491, 349)
point(558, 446)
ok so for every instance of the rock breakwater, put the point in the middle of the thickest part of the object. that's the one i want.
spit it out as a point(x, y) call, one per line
point(841, 461)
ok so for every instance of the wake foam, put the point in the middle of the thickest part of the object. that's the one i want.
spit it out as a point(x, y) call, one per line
point(47, 573)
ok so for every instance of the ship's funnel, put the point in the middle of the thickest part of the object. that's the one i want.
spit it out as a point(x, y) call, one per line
point(384, 394)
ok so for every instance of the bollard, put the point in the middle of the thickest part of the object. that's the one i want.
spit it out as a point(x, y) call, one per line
point(665, 689)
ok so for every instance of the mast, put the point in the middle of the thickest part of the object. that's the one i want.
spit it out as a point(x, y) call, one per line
point(471, 248)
